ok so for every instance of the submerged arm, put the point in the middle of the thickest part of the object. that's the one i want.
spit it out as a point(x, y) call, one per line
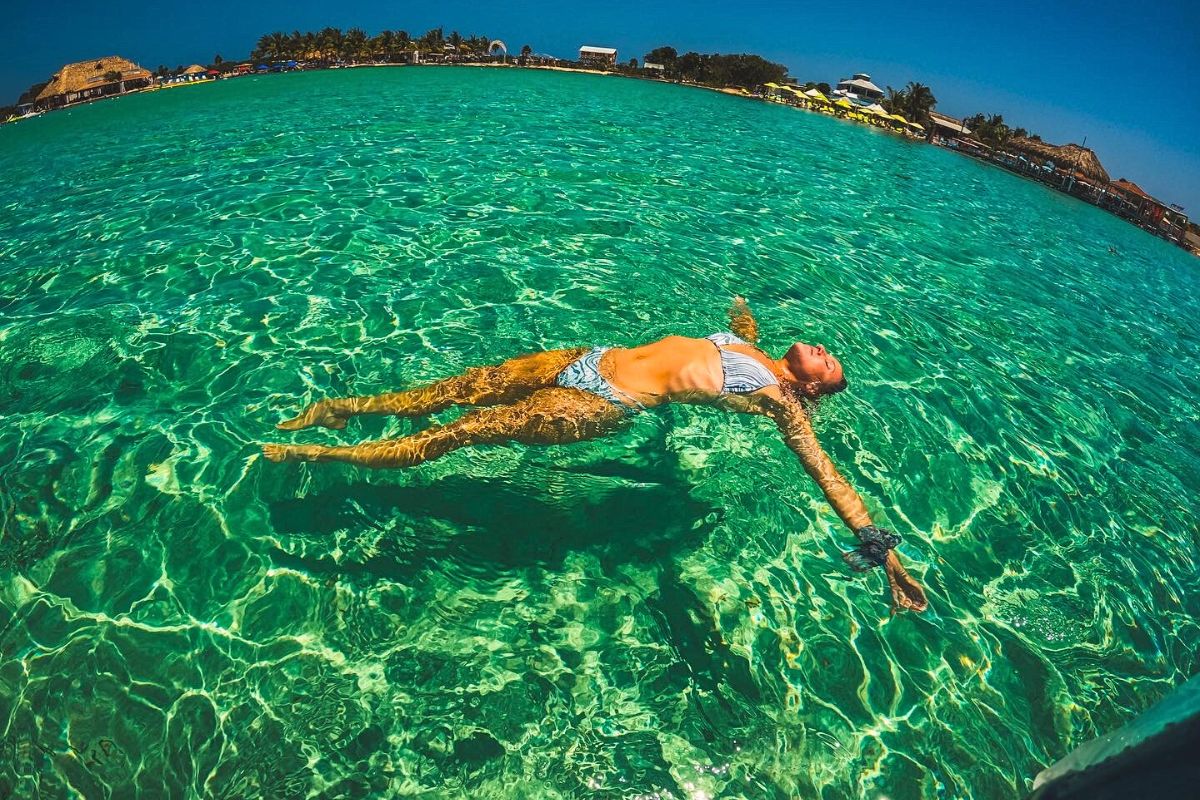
point(798, 434)
point(741, 321)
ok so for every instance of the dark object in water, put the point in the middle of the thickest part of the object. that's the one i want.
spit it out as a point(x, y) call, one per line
point(1152, 756)
point(873, 550)
point(477, 748)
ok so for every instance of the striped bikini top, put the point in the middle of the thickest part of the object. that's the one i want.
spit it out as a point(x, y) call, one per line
point(742, 373)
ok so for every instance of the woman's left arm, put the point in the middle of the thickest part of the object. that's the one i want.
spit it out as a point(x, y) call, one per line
point(876, 544)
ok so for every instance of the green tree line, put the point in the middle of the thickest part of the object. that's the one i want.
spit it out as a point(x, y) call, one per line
point(334, 44)
point(913, 102)
point(714, 69)
point(993, 130)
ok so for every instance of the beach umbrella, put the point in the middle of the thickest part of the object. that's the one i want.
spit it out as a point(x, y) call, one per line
point(898, 118)
point(916, 125)
point(842, 102)
point(815, 94)
point(876, 109)
point(772, 85)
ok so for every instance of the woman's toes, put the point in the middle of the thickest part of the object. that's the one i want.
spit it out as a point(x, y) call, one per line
point(275, 452)
point(303, 420)
point(316, 414)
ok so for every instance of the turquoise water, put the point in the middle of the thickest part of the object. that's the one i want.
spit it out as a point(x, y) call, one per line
point(660, 614)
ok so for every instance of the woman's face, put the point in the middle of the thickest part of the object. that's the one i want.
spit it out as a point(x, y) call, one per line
point(811, 363)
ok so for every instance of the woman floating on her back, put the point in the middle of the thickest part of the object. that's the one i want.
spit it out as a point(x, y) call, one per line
point(561, 396)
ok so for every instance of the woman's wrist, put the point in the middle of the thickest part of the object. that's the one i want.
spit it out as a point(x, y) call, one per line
point(875, 547)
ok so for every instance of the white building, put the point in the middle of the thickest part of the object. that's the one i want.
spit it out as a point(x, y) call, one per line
point(859, 89)
point(598, 56)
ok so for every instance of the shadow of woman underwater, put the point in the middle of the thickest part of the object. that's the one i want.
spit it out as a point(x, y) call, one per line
point(492, 528)
point(492, 525)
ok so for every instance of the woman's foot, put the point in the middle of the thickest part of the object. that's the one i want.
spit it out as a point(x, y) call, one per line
point(291, 452)
point(320, 413)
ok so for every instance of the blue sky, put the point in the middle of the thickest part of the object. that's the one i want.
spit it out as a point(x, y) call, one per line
point(1123, 74)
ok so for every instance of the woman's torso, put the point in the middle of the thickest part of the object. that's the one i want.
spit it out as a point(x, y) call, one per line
point(674, 369)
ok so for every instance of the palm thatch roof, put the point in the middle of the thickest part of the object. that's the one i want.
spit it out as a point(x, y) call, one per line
point(194, 69)
point(90, 74)
point(1069, 156)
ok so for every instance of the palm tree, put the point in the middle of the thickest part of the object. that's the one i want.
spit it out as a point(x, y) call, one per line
point(918, 102)
point(356, 43)
point(994, 131)
point(278, 44)
point(267, 46)
point(403, 44)
point(895, 102)
point(263, 48)
point(455, 40)
point(433, 39)
point(384, 45)
point(331, 43)
point(113, 76)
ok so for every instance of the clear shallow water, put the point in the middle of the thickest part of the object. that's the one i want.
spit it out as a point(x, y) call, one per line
point(658, 614)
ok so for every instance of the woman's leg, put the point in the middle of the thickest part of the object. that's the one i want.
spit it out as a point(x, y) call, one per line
point(548, 416)
point(478, 386)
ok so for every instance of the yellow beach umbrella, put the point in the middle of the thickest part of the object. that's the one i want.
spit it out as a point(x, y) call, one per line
point(816, 96)
point(842, 102)
point(916, 125)
point(772, 85)
point(898, 118)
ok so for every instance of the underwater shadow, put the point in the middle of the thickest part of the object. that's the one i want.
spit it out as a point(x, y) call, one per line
point(494, 524)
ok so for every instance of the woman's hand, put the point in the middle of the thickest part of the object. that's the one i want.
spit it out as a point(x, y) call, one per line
point(907, 594)
point(741, 321)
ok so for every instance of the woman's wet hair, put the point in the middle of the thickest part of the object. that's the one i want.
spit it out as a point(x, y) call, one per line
point(810, 403)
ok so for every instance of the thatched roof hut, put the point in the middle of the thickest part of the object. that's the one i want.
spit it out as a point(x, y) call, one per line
point(954, 126)
point(1067, 156)
point(194, 69)
point(89, 78)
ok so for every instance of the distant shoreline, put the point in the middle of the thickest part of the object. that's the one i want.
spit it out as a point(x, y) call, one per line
point(730, 91)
